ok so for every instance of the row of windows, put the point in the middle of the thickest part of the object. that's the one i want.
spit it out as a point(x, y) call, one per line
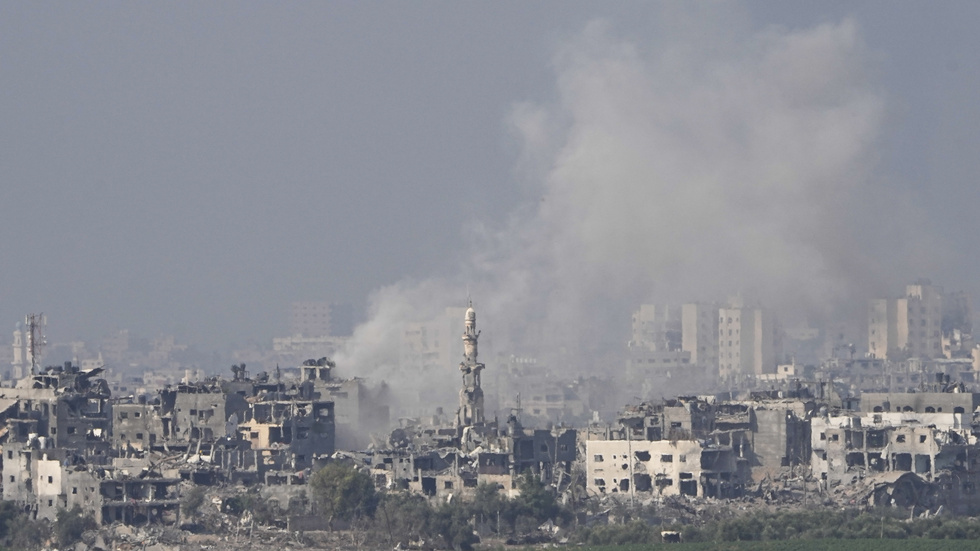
point(899, 438)
point(643, 456)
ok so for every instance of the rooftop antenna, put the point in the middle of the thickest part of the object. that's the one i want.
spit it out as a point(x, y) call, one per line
point(35, 338)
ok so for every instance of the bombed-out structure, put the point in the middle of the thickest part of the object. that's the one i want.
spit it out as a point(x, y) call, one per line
point(930, 436)
point(66, 442)
point(700, 446)
point(452, 457)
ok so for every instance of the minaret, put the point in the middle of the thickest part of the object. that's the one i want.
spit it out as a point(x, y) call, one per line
point(471, 395)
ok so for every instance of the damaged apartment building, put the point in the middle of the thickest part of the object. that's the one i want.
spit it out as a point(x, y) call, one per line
point(57, 452)
point(240, 429)
point(698, 446)
point(929, 436)
point(65, 442)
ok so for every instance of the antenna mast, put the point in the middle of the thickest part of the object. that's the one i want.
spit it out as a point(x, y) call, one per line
point(35, 338)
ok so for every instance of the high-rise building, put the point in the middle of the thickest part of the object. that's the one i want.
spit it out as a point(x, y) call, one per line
point(699, 333)
point(925, 317)
point(434, 345)
point(748, 341)
point(908, 326)
point(20, 364)
point(321, 319)
point(657, 327)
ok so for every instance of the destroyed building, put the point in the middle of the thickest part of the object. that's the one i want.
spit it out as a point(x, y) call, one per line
point(453, 457)
point(57, 422)
point(359, 410)
point(662, 468)
point(867, 448)
point(724, 445)
point(66, 442)
point(665, 449)
point(298, 430)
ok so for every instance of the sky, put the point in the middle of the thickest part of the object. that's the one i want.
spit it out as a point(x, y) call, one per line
point(192, 168)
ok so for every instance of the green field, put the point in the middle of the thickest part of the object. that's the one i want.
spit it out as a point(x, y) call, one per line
point(801, 545)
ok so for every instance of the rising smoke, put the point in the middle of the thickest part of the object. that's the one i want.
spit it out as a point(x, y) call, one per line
point(690, 169)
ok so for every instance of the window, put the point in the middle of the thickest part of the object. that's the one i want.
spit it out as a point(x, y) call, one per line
point(666, 458)
point(123, 415)
point(900, 438)
point(50, 480)
point(922, 439)
point(136, 414)
point(74, 490)
point(597, 458)
point(71, 430)
point(139, 435)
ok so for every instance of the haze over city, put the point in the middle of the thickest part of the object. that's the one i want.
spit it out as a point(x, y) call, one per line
point(447, 275)
point(193, 169)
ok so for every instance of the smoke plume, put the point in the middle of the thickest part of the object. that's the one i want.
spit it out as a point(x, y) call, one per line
point(679, 171)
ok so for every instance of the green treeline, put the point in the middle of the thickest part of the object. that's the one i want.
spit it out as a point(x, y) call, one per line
point(393, 518)
point(799, 545)
point(343, 493)
point(796, 525)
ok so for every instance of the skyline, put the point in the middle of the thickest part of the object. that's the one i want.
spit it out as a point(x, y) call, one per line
point(193, 170)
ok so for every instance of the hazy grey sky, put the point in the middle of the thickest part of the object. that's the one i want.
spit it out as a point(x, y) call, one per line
point(191, 168)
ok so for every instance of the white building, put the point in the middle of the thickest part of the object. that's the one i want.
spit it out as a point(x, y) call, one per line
point(659, 468)
point(699, 334)
point(911, 325)
point(748, 341)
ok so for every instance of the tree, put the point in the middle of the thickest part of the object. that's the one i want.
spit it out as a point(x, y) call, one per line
point(451, 522)
point(404, 518)
point(536, 499)
point(18, 530)
point(70, 524)
point(343, 492)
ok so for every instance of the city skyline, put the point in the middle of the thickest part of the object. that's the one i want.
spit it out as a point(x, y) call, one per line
point(193, 170)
